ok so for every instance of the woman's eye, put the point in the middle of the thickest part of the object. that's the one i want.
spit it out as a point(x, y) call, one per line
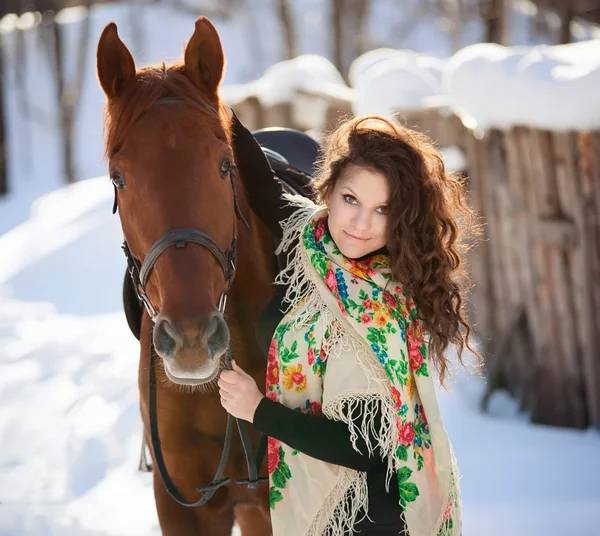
point(350, 199)
point(117, 179)
point(226, 168)
point(382, 210)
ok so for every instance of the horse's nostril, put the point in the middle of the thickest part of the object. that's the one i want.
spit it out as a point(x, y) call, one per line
point(166, 338)
point(217, 335)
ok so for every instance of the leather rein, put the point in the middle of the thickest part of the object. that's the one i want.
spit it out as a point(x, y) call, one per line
point(140, 273)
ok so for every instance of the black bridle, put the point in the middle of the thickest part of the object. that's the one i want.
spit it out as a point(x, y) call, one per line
point(140, 273)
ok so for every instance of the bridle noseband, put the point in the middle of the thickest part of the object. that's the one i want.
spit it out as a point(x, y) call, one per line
point(140, 274)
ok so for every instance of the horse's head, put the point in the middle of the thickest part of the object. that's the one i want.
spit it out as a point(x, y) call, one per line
point(170, 160)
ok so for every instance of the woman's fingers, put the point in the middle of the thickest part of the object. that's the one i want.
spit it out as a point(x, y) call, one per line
point(237, 368)
point(228, 383)
point(230, 377)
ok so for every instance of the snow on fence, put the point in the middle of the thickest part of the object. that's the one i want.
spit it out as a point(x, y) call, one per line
point(536, 296)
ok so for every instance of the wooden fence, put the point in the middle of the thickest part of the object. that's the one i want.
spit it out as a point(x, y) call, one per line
point(535, 302)
point(536, 295)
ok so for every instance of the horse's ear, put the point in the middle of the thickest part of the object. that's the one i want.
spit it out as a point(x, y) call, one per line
point(204, 60)
point(114, 63)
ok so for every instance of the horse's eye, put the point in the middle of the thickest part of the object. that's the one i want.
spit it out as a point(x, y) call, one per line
point(117, 179)
point(226, 167)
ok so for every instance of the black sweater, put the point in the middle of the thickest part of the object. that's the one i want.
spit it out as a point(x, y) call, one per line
point(320, 438)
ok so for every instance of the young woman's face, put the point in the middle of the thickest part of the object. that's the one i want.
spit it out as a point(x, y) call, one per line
point(358, 211)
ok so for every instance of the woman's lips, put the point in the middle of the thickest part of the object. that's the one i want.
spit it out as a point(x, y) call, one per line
point(355, 237)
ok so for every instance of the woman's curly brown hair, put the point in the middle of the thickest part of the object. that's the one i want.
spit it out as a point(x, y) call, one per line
point(429, 222)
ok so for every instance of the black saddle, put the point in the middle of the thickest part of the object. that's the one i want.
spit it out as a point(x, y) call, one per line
point(292, 155)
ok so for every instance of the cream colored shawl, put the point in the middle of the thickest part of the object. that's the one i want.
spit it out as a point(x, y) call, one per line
point(351, 346)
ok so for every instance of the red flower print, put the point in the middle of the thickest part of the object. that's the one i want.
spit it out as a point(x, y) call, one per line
point(390, 300)
point(367, 304)
point(316, 409)
point(407, 434)
point(273, 454)
point(365, 318)
point(358, 269)
point(322, 355)
point(319, 231)
point(272, 355)
point(272, 374)
point(331, 281)
point(367, 265)
point(398, 289)
point(414, 332)
point(415, 357)
point(311, 357)
point(396, 395)
point(272, 395)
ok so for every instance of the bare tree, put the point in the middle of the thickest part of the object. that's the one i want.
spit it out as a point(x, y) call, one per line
point(69, 93)
point(492, 12)
point(287, 28)
point(565, 12)
point(347, 18)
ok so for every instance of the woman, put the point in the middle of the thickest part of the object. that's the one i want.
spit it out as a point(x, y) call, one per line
point(356, 440)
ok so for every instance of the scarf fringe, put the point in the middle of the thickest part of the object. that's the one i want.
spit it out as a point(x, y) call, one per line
point(358, 412)
point(343, 505)
point(300, 287)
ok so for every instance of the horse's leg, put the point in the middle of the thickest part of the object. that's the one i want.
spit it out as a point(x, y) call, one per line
point(253, 520)
point(177, 520)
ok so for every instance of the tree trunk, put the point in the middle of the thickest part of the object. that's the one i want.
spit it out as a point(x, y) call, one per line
point(337, 38)
point(360, 11)
point(493, 14)
point(347, 18)
point(566, 16)
point(287, 28)
point(68, 94)
point(3, 147)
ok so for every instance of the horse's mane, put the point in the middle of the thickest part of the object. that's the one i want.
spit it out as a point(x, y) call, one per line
point(152, 83)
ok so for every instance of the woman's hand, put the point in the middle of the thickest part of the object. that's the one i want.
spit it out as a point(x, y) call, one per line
point(239, 394)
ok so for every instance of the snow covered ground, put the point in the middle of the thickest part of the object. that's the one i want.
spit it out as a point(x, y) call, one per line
point(69, 419)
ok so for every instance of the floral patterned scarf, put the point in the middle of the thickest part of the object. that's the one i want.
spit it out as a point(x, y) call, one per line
point(350, 347)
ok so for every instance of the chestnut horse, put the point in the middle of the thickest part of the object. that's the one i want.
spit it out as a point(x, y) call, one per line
point(172, 167)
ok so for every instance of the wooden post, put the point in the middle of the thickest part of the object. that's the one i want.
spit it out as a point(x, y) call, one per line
point(588, 193)
point(482, 311)
point(548, 387)
point(565, 152)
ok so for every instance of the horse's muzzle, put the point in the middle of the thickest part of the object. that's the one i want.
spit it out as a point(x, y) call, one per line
point(191, 351)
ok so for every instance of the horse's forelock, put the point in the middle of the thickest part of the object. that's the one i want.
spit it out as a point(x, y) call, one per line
point(152, 83)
